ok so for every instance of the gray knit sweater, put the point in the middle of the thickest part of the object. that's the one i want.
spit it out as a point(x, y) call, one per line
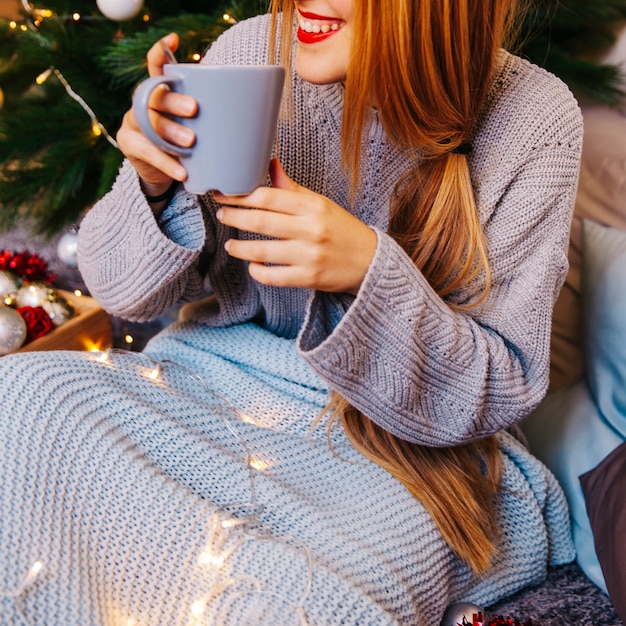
point(417, 368)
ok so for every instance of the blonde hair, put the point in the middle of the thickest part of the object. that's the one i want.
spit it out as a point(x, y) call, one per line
point(427, 66)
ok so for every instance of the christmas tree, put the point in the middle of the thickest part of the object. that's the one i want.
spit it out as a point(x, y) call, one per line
point(68, 71)
point(570, 37)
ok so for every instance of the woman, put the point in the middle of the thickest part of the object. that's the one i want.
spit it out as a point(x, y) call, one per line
point(398, 276)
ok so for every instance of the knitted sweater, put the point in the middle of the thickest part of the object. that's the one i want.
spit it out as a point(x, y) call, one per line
point(184, 487)
point(397, 352)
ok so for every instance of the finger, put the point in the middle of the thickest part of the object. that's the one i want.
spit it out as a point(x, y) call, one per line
point(171, 130)
point(157, 57)
point(288, 202)
point(261, 222)
point(276, 275)
point(155, 164)
point(279, 178)
point(272, 251)
point(172, 103)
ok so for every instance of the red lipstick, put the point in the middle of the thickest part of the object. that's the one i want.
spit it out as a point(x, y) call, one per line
point(314, 16)
point(307, 38)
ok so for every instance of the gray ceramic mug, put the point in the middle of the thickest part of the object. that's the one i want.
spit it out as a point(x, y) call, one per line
point(235, 126)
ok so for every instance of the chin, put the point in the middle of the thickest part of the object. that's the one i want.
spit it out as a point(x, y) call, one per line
point(319, 78)
point(317, 74)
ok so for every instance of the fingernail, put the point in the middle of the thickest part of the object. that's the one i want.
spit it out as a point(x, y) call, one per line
point(185, 136)
point(227, 246)
point(220, 214)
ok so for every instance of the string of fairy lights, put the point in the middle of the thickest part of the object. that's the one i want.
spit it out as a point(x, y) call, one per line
point(231, 527)
point(33, 19)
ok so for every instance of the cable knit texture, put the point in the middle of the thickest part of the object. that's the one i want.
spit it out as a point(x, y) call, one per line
point(397, 352)
point(110, 478)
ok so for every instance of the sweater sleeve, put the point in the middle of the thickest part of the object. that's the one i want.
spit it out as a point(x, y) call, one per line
point(435, 375)
point(135, 266)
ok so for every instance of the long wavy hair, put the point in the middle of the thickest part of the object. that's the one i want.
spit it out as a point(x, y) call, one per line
point(427, 67)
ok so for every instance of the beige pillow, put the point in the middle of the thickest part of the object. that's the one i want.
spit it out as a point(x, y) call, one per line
point(601, 198)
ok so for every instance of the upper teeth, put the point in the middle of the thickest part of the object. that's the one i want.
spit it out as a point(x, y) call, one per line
point(317, 28)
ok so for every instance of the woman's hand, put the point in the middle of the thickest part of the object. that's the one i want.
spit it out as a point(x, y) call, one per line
point(315, 243)
point(155, 167)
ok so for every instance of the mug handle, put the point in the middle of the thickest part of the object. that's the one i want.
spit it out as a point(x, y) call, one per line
point(140, 109)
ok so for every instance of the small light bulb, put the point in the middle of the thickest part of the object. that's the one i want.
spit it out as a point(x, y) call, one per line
point(259, 464)
point(76, 16)
point(197, 608)
point(78, 293)
point(196, 57)
point(128, 338)
point(43, 77)
point(146, 17)
point(23, 28)
point(12, 25)
point(208, 558)
point(96, 130)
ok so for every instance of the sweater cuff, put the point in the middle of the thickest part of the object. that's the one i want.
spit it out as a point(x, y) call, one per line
point(335, 320)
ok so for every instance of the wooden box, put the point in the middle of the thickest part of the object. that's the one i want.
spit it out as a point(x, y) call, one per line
point(89, 329)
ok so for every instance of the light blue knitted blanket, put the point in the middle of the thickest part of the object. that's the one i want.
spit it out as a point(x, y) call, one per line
point(184, 486)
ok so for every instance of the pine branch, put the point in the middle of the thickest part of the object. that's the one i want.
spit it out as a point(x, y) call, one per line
point(569, 37)
point(52, 167)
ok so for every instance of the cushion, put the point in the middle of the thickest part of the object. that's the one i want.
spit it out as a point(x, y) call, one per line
point(604, 319)
point(603, 487)
point(568, 434)
point(576, 427)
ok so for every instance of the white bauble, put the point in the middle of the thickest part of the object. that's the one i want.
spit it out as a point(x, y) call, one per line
point(60, 310)
point(9, 283)
point(120, 10)
point(67, 249)
point(12, 330)
point(461, 613)
point(33, 294)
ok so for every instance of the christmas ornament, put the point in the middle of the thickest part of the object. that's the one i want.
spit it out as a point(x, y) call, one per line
point(59, 309)
point(463, 614)
point(67, 248)
point(9, 284)
point(26, 265)
point(12, 330)
point(34, 294)
point(120, 10)
point(38, 322)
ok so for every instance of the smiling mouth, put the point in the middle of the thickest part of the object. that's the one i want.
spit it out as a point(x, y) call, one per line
point(313, 28)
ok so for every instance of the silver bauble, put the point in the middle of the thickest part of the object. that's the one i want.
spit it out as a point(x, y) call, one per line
point(67, 249)
point(458, 612)
point(9, 283)
point(33, 294)
point(12, 330)
point(60, 310)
